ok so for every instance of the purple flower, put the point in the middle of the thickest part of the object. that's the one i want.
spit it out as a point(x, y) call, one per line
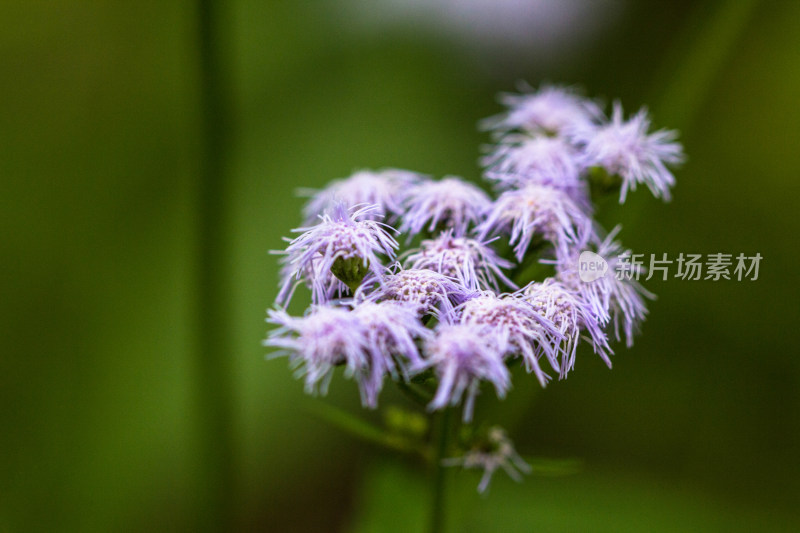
point(538, 210)
point(318, 342)
point(448, 203)
point(571, 316)
point(388, 331)
point(550, 110)
point(624, 148)
point(341, 235)
point(521, 160)
point(372, 340)
point(512, 318)
point(431, 292)
point(497, 452)
point(472, 262)
point(611, 298)
point(385, 189)
point(462, 357)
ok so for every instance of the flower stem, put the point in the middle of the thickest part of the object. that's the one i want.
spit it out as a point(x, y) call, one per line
point(413, 392)
point(438, 500)
point(699, 53)
point(213, 393)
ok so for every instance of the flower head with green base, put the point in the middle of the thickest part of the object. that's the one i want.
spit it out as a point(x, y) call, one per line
point(345, 245)
point(625, 149)
point(538, 210)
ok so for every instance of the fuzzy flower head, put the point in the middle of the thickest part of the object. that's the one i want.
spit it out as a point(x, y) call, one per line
point(372, 341)
point(430, 292)
point(496, 451)
point(570, 316)
point(318, 342)
point(343, 242)
point(462, 357)
point(472, 262)
point(520, 160)
point(550, 110)
point(614, 297)
point(389, 331)
point(625, 149)
point(512, 318)
point(385, 189)
point(448, 203)
point(537, 210)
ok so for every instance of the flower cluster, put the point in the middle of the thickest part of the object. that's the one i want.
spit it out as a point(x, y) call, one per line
point(459, 307)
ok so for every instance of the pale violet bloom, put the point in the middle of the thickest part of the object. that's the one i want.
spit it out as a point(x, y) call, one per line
point(470, 261)
point(463, 356)
point(389, 331)
point(496, 452)
point(342, 234)
point(624, 148)
point(611, 298)
point(372, 341)
point(318, 342)
point(550, 110)
point(572, 317)
point(521, 160)
point(430, 292)
point(526, 332)
point(449, 203)
point(538, 211)
point(385, 189)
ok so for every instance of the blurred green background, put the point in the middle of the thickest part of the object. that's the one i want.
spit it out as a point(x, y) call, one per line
point(697, 428)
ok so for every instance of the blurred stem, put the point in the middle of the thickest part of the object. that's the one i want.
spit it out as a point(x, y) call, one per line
point(438, 499)
point(693, 63)
point(413, 392)
point(214, 395)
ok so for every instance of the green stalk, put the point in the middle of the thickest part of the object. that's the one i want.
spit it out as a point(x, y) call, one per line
point(692, 65)
point(214, 394)
point(694, 62)
point(413, 392)
point(438, 499)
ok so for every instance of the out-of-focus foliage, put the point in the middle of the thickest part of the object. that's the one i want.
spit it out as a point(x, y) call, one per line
point(695, 428)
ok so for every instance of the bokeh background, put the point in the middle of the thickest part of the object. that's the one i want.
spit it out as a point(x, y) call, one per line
point(104, 404)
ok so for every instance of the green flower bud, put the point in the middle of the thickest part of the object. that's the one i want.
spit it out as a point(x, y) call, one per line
point(350, 271)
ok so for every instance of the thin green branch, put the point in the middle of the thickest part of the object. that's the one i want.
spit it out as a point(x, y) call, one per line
point(364, 430)
point(216, 484)
point(438, 497)
point(693, 64)
point(414, 392)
